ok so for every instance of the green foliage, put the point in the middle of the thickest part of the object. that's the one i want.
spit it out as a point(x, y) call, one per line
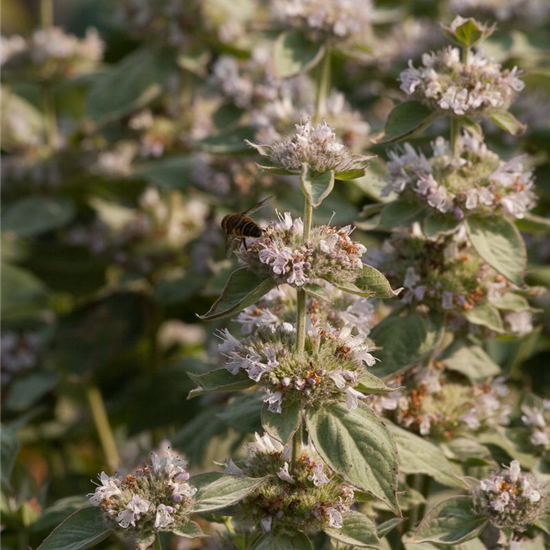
point(295, 54)
point(406, 120)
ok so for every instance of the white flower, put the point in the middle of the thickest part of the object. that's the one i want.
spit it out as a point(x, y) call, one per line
point(515, 470)
point(492, 484)
point(335, 518)
point(108, 488)
point(284, 474)
point(163, 517)
point(533, 416)
point(264, 444)
point(275, 402)
point(521, 322)
point(353, 396)
point(502, 501)
point(539, 438)
point(134, 509)
point(425, 425)
point(232, 469)
point(266, 524)
point(229, 342)
point(447, 300)
point(471, 419)
point(318, 475)
point(529, 492)
point(411, 278)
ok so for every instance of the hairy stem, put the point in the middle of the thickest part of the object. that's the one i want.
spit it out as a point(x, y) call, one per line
point(296, 447)
point(323, 87)
point(101, 421)
point(455, 135)
point(158, 543)
point(46, 14)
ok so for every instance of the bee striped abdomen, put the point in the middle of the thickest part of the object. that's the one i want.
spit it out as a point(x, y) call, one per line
point(241, 226)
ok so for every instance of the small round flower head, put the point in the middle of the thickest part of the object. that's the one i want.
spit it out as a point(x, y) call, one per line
point(306, 498)
point(51, 54)
point(431, 405)
point(315, 145)
point(510, 499)
point(335, 20)
point(280, 253)
point(329, 370)
point(536, 417)
point(156, 497)
point(445, 83)
point(475, 182)
point(279, 305)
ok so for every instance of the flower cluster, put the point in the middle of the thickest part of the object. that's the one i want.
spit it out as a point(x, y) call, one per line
point(156, 497)
point(476, 181)
point(447, 84)
point(307, 497)
point(329, 370)
point(315, 145)
point(432, 406)
point(325, 19)
point(280, 253)
point(446, 275)
point(278, 305)
point(511, 499)
point(51, 54)
point(20, 352)
point(537, 419)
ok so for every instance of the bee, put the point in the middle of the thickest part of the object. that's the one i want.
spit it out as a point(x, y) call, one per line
point(238, 227)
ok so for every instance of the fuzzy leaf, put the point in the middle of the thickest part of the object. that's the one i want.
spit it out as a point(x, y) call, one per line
point(22, 291)
point(316, 187)
point(32, 216)
point(469, 452)
point(317, 291)
point(419, 456)
point(350, 174)
point(473, 127)
point(400, 212)
point(79, 531)
point(217, 490)
point(405, 340)
point(228, 142)
point(357, 446)
point(512, 302)
point(295, 54)
point(369, 383)
point(439, 224)
point(450, 522)
point(508, 122)
point(370, 282)
point(284, 425)
point(130, 85)
point(406, 120)
point(531, 223)
point(241, 290)
point(469, 359)
point(190, 530)
point(499, 243)
point(9, 448)
point(357, 530)
point(171, 173)
point(219, 380)
point(388, 526)
point(244, 413)
point(485, 315)
point(273, 541)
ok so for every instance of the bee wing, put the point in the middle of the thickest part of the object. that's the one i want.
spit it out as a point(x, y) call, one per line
point(256, 207)
point(230, 243)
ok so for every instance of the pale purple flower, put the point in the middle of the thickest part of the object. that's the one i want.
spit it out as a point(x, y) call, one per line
point(284, 474)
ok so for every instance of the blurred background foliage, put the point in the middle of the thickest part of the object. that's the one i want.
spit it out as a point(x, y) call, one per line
point(116, 173)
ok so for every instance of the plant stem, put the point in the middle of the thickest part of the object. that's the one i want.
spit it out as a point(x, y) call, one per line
point(455, 135)
point(46, 14)
point(50, 116)
point(101, 421)
point(323, 87)
point(465, 54)
point(158, 543)
point(296, 447)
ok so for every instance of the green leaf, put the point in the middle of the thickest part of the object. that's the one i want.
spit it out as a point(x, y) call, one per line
point(9, 448)
point(169, 173)
point(130, 85)
point(217, 490)
point(284, 425)
point(485, 315)
point(27, 389)
point(450, 522)
point(469, 359)
point(368, 383)
point(317, 291)
point(406, 120)
point(295, 54)
point(400, 212)
point(36, 215)
point(21, 291)
point(219, 380)
point(243, 289)
point(508, 122)
point(357, 446)
point(350, 174)
point(316, 187)
point(58, 512)
point(511, 302)
point(273, 541)
point(405, 340)
point(439, 224)
point(468, 34)
point(499, 243)
point(229, 142)
point(370, 282)
point(79, 531)
point(419, 456)
point(244, 413)
point(357, 530)
point(190, 530)
point(530, 223)
point(470, 453)
point(472, 126)
point(388, 526)
point(274, 170)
